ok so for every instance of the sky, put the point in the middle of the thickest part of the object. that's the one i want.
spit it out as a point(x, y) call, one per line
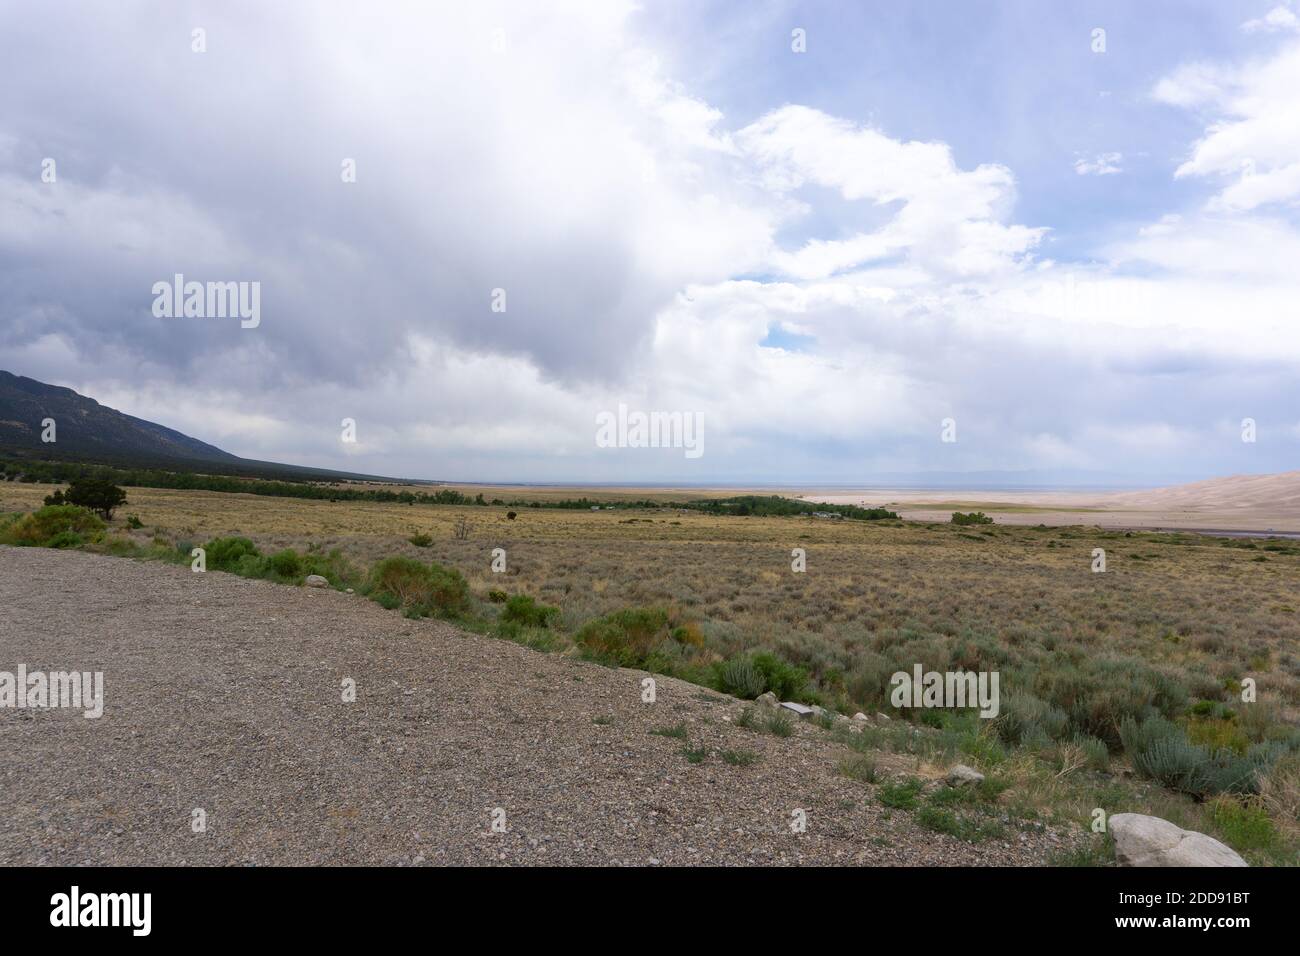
point(853, 243)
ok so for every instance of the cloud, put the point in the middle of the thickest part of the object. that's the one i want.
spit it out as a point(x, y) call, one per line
point(648, 243)
point(1103, 164)
point(1277, 19)
point(1252, 140)
point(946, 220)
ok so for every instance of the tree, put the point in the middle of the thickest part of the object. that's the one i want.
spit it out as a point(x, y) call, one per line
point(96, 494)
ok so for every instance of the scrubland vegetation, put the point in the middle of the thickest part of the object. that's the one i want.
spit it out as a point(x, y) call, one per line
point(1120, 690)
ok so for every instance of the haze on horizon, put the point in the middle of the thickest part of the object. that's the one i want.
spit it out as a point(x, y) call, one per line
point(1083, 253)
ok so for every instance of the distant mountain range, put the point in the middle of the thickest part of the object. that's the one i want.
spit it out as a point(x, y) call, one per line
point(90, 432)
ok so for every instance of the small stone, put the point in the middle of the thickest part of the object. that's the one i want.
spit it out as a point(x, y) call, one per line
point(767, 700)
point(861, 717)
point(315, 581)
point(964, 776)
point(880, 716)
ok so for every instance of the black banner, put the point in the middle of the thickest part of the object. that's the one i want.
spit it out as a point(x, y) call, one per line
point(337, 904)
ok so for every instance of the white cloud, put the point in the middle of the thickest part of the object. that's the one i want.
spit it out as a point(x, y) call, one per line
point(948, 220)
point(1103, 164)
point(1252, 140)
point(1279, 18)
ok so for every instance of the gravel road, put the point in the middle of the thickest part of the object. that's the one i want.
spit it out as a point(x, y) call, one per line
point(225, 695)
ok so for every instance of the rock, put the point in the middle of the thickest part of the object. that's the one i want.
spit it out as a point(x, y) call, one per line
point(964, 776)
point(316, 581)
point(880, 716)
point(1141, 840)
point(799, 709)
point(767, 700)
point(861, 717)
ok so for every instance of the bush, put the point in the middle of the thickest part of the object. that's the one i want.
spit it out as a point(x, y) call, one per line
point(522, 609)
point(740, 678)
point(96, 494)
point(225, 554)
point(134, 523)
point(624, 638)
point(787, 681)
point(42, 526)
point(286, 565)
point(497, 596)
point(421, 540)
point(974, 517)
point(1160, 750)
point(66, 539)
point(419, 590)
point(748, 677)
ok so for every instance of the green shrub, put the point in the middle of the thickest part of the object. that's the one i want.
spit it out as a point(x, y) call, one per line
point(1160, 750)
point(286, 565)
point(420, 539)
point(973, 517)
point(419, 590)
point(497, 596)
point(787, 681)
point(40, 527)
point(66, 539)
point(740, 678)
point(626, 638)
point(225, 554)
point(134, 523)
point(523, 610)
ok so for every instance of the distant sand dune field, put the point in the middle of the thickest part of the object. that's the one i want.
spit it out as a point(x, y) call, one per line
point(1260, 503)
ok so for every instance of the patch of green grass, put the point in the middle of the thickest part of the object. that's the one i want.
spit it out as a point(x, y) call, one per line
point(739, 758)
point(695, 754)
point(859, 768)
point(676, 731)
point(780, 723)
point(900, 796)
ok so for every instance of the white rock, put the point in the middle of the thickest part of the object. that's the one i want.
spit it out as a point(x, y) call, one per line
point(964, 776)
point(1141, 840)
point(767, 700)
point(316, 581)
point(859, 716)
point(880, 716)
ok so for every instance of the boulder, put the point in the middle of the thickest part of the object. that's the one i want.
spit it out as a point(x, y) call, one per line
point(861, 717)
point(316, 581)
point(880, 716)
point(1141, 840)
point(767, 700)
point(964, 776)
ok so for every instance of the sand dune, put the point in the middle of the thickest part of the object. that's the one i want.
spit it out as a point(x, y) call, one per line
point(1259, 503)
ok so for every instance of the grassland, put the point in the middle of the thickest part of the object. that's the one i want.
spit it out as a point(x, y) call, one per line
point(1176, 623)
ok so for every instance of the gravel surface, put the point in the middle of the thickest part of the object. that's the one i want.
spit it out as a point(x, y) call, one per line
point(225, 694)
